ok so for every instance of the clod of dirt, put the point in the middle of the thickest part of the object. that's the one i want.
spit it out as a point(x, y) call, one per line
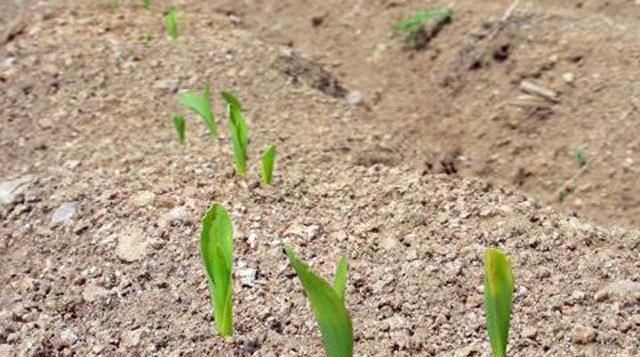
point(300, 69)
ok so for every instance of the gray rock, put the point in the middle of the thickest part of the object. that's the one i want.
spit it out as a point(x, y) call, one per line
point(583, 335)
point(64, 213)
point(131, 246)
point(11, 190)
point(168, 84)
point(247, 276)
point(177, 214)
point(627, 291)
point(354, 98)
point(68, 337)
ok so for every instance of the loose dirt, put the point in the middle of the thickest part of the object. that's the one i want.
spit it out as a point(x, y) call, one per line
point(410, 162)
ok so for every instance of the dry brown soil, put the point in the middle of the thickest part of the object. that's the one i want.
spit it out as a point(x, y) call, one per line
point(409, 161)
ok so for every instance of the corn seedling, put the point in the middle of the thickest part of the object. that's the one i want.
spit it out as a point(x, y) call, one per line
point(179, 124)
point(413, 26)
point(201, 105)
point(581, 157)
point(498, 291)
point(327, 303)
point(172, 24)
point(146, 4)
point(216, 248)
point(268, 158)
point(238, 131)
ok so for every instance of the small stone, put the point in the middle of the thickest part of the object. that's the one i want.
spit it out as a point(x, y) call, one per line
point(132, 338)
point(569, 78)
point(530, 332)
point(11, 190)
point(168, 84)
point(390, 243)
point(94, 293)
point(354, 98)
point(583, 335)
point(623, 290)
point(68, 337)
point(131, 246)
point(142, 199)
point(64, 213)
point(247, 276)
point(252, 240)
point(177, 214)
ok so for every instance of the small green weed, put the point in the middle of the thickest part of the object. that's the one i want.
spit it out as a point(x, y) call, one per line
point(238, 131)
point(171, 21)
point(201, 105)
point(216, 248)
point(179, 124)
point(268, 158)
point(498, 292)
point(413, 26)
point(581, 157)
point(146, 4)
point(327, 303)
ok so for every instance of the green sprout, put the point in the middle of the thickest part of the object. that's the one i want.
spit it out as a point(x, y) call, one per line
point(562, 195)
point(146, 3)
point(268, 158)
point(172, 24)
point(179, 124)
point(413, 26)
point(581, 157)
point(238, 130)
point(145, 39)
point(327, 303)
point(498, 291)
point(201, 105)
point(216, 248)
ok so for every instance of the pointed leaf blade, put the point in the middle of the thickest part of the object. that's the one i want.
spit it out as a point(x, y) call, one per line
point(179, 124)
point(331, 315)
point(340, 282)
point(268, 159)
point(498, 293)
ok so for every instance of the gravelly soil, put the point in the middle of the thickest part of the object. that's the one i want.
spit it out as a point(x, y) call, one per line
point(98, 253)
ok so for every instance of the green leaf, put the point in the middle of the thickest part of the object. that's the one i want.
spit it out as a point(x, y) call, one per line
point(146, 3)
point(498, 292)
point(420, 18)
point(581, 157)
point(172, 24)
point(179, 124)
point(201, 105)
point(328, 307)
point(238, 131)
point(216, 248)
point(268, 158)
point(340, 282)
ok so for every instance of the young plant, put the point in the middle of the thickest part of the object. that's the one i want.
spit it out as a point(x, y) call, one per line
point(413, 26)
point(327, 303)
point(172, 24)
point(216, 249)
point(268, 158)
point(238, 131)
point(146, 3)
point(581, 157)
point(498, 292)
point(179, 124)
point(201, 105)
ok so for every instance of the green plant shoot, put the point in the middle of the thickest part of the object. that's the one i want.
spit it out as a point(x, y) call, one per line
point(327, 303)
point(581, 157)
point(179, 124)
point(238, 131)
point(201, 105)
point(172, 24)
point(412, 26)
point(216, 248)
point(268, 158)
point(498, 291)
point(146, 3)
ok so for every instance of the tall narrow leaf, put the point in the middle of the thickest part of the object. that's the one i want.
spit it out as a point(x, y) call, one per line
point(216, 248)
point(340, 282)
point(238, 131)
point(268, 159)
point(201, 105)
point(179, 125)
point(172, 24)
point(327, 305)
point(498, 291)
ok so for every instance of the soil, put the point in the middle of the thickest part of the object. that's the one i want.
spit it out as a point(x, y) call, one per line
point(409, 161)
